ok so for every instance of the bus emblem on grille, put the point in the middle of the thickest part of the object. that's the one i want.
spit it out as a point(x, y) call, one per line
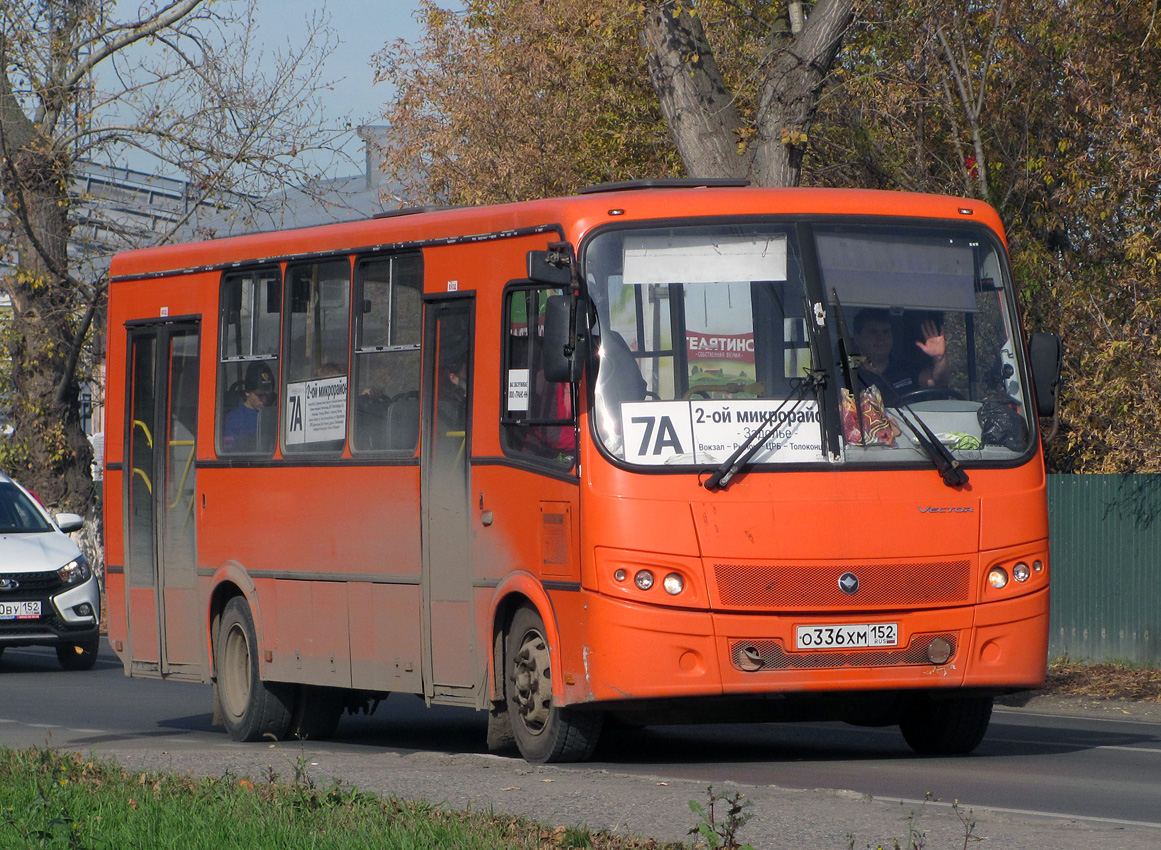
point(849, 583)
point(9, 584)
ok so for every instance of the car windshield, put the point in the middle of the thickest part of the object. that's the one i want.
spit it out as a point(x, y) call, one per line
point(703, 334)
point(18, 515)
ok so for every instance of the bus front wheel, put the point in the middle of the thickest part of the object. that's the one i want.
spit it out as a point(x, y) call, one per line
point(544, 732)
point(945, 727)
point(251, 708)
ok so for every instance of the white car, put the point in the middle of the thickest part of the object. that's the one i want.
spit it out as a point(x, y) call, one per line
point(48, 594)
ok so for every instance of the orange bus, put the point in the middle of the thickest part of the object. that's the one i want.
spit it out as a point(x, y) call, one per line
point(665, 451)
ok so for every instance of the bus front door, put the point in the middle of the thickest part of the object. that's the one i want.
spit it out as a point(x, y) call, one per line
point(165, 620)
point(450, 653)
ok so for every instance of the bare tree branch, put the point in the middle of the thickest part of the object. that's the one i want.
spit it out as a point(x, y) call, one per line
point(186, 83)
point(164, 18)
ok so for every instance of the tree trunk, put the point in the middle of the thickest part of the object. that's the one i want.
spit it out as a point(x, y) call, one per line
point(48, 452)
point(694, 99)
point(701, 112)
point(790, 92)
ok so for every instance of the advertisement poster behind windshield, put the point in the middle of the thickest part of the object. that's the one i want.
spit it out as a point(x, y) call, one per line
point(705, 432)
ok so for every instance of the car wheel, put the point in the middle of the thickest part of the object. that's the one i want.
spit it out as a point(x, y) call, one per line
point(78, 656)
point(544, 732)
point(251, 708)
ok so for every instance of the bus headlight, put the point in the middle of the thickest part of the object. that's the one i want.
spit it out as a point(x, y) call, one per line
point(649, 578)
point(998, 577)
point(1021, 573)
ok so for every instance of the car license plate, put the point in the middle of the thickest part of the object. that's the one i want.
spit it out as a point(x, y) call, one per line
point(856, 636)
point(28, 610)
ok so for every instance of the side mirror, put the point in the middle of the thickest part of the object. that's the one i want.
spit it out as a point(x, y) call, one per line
point(69, 523)
point(1045, 355)
point(553, 266)
point(563, 351)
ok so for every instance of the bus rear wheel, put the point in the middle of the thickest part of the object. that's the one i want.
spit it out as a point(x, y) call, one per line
point(544, 732)
point(946, 727)
point(251, 708)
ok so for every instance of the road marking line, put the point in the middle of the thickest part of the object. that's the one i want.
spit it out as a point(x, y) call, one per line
point(1131, 749)
point(962, 806)
point(1065, 745)
point(1020, 713)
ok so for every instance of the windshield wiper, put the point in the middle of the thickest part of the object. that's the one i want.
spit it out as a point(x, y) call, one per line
point(949, 469)
point(744, 453)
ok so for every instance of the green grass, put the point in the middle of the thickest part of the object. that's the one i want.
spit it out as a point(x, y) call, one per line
point(51, 799)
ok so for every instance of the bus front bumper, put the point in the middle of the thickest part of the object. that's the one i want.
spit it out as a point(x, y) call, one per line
point(633, 652)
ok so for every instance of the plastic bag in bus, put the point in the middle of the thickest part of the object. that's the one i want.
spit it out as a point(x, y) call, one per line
point(876, 427)
point(1002, 425)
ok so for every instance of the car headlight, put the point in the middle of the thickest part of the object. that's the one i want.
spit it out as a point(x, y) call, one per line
point(75, 571)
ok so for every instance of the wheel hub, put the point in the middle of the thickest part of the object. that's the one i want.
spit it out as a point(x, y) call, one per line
point(235, 677)
point(532, 682)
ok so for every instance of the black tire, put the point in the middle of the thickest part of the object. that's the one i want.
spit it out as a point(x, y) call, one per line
point(251, 709)
point(78, 656)
point(543, 731)
point(317, 712)
point(946, 727)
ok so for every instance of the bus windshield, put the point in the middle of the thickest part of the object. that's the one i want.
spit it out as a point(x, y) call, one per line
point(707, 332)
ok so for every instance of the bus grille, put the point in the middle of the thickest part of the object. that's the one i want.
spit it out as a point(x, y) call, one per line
point(816, 587)
point(753, 656)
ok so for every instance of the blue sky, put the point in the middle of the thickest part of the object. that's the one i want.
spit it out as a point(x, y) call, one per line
point(363, 29)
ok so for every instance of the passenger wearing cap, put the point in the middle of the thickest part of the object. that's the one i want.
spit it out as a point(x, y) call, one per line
point(240, 429)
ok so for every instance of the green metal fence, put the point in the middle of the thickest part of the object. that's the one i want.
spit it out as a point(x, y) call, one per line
point(1106, 567)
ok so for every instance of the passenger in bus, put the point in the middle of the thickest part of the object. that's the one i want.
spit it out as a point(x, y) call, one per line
point(555, 402)
point(372, 406)
point(619, 381)
point(451, 403)
point(241, 427)
point(889, 370)
point(452, 395)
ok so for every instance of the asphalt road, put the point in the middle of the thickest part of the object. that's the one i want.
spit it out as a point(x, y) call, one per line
point(1053, 774)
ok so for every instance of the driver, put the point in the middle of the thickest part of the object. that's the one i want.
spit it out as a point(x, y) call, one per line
point(874, 340)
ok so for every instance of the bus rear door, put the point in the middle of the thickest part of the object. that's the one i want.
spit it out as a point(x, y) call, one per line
point(447, 571)
point(161, 557)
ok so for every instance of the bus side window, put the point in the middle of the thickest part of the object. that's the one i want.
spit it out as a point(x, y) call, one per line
point(388, 324)
point(247, 410)
point(537, 420)
point(318, 315)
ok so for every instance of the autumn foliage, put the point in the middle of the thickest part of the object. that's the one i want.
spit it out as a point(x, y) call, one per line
point(517, 100)
point(1047, 110)
point(1059, 132)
